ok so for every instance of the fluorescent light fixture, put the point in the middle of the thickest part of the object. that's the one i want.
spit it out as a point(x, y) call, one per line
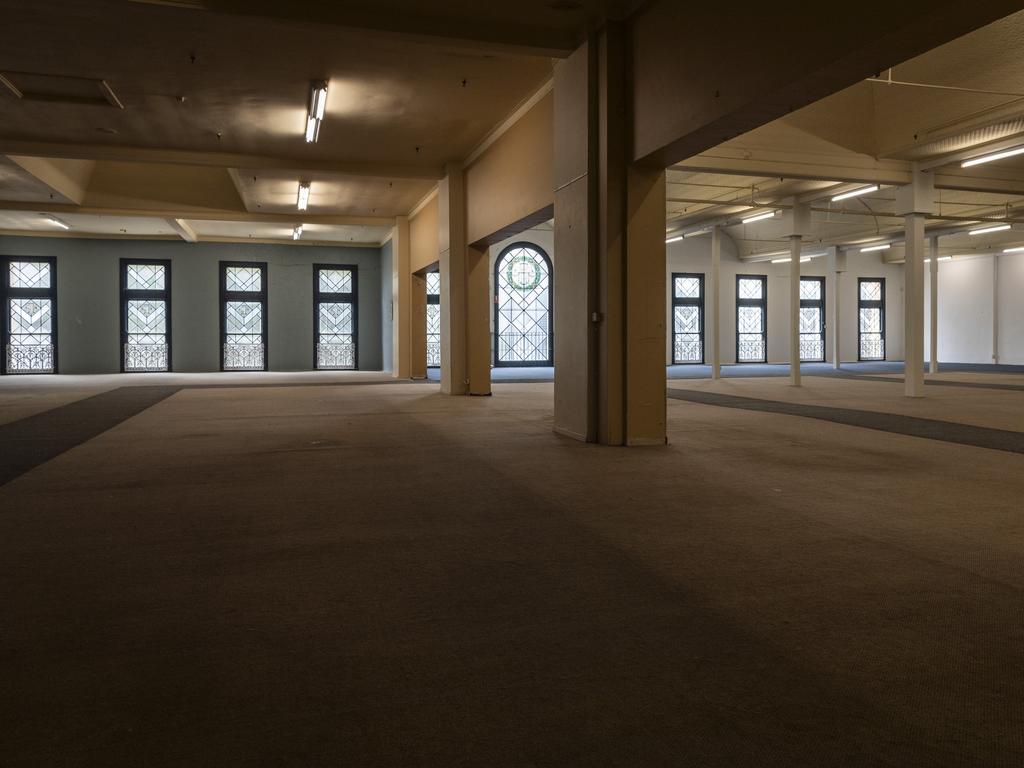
point(992, 156)
point(675, 239)
point(927, 261)
point(782, 261)
point(945, 258)
point(882, 247)
point(58, 222)
point(986, 230)
point(317, 110)
point(696, 233)
point(1014, 250)
point(303, 200)
point(297, 232)
point(759, 217)
point(814, 255)
point(805, 259)
point(855, 193)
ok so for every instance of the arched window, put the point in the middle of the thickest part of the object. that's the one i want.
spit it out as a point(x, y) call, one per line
point(522, 312)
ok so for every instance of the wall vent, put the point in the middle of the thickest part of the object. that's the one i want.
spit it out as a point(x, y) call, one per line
point(59, 89)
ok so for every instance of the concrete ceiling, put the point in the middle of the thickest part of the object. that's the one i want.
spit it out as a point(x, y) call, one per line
point(957, 101)
point(213, 99)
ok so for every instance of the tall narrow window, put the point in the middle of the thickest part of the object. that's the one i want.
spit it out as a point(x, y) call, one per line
point(687, 318)
point(871, 318)
point(243, 300)
point(335, 309)
point(522, 307)
point(751, 318)
point(30, 315)
point(812, 319)
point(433, 319)
point(145, 315)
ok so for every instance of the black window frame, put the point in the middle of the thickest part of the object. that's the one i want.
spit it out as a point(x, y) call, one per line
point(683, 301)
point(495, 356)
point(871, 304)
point(763, 304)
point(335, 298)
point(820, 303)
point(227, 296)
point(136, 294)
point(433, 299)
point(7, 293)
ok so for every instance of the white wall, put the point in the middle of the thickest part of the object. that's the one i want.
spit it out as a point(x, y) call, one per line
point(966, 301)
point(694, 255)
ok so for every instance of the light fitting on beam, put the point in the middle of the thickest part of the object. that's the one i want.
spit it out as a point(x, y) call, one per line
point(986, 230)
point(55, 220)
point(303, 200)
point(697, 233)
point(992, 157)
point(945, 258)
point(759, 217)
point(675, 239)
point(803, 260)
point(317, 110)
point(1013, 250)
point(882, 247)
point(297, 232)
point(855, 193)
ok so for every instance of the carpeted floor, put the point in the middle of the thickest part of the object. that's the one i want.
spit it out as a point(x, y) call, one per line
point(382, 576)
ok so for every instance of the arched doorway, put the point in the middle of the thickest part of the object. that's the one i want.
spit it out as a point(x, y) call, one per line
point(523, 331)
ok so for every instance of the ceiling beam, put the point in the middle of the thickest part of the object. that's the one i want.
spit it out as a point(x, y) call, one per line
point(849, 168)
point(204, 215)
point(184, 229)
point(68, 178)
point(217, 159)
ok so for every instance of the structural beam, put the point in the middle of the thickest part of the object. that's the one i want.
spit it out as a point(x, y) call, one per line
point(183, 228)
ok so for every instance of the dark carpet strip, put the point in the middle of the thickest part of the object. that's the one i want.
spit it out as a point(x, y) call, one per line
point(930, 429)
point(941, 382)
point(34, 440)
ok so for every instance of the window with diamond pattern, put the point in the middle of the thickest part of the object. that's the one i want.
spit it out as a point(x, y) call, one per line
point(812, 319)
point(335, 308)
point(243, 316)
point(871, 318)
point(522, 309)
point(687, 318)
point(433, 319)
point(30, 309)
point(751, 318)
point(145, 316)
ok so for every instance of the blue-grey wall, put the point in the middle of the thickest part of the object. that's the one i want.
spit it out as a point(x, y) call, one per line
point(387, 310)
point(88, 299)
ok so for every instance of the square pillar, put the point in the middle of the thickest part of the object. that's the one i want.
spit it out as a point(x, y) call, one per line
point(715, 296)
point(610, 281)
point(913, 321)
point(836, 267)
point(451, 222)
point(401, 291)
point(933, 352)
point(795, 251)
point(418, 332)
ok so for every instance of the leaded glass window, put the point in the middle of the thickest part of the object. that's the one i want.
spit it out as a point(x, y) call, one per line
point(145, 316)
point(871, 318)
point(751, 318)
point(522, 307)
point(687, 318)
point(334, 299)
point(812, 319)
point(243, 316)
point(30, 309)
point(433, 319)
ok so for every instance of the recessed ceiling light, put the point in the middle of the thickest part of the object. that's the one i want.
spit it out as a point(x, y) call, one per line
point(759, 217)
point(992, 156)
point(882, 247)
point(986, 230)
point(855, 193)
point(303, 199)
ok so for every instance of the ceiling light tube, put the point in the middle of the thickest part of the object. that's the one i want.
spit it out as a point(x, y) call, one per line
point(805, 259)
point(1013, 250)
point(759, 217)
point(882, 247)
point(303, 199)
point(992, 156)
point(945, 258)
point(317, 110)
point(855, 193)
point(986, 230)
point(675, 239)
point(782, 261)
point(696, 233)
point(297, 232)
point(312, 130)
